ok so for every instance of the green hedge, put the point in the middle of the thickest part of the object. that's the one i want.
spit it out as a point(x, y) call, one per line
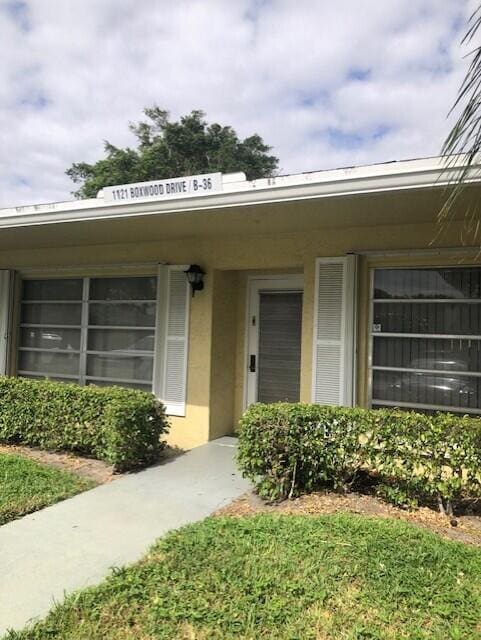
point(121, 426)
point(289, 449)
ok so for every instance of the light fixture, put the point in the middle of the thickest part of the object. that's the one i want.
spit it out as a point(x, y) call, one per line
point(195, 276)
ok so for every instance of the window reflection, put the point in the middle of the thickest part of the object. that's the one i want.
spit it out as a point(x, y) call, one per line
point(435, 361)
point(117, 343)
point(448, 283)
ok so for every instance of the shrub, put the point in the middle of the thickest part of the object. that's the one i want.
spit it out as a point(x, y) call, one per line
point(121, 426)
point(289, 449)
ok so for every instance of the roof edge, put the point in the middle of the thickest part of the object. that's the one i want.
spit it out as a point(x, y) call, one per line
point(392, 176)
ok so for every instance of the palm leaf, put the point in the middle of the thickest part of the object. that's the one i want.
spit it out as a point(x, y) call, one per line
point(464, 139)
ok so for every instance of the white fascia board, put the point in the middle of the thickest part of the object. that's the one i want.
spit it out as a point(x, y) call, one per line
point(395, 176)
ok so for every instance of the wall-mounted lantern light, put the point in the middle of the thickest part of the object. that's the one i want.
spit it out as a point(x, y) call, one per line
point(195, 276)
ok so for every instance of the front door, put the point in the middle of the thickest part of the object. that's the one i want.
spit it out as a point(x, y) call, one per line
point(274, 344)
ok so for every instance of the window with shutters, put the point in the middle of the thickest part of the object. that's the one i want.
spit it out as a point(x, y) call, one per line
point(426, 339)
point(105, 331)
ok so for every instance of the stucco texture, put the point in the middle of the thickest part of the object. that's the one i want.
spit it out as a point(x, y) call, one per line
point(231, 246)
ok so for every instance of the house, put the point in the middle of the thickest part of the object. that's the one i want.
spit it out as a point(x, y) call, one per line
point(337, 287)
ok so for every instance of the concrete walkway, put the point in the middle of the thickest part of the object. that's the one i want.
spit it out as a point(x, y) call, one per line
point(75, 543)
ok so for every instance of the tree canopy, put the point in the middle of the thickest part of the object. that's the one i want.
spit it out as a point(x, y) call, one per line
point(168, 149)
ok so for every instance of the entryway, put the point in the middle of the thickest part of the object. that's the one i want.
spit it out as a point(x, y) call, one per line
point(274, 339)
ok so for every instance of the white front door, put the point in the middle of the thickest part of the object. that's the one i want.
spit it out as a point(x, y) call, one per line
point(274, 339)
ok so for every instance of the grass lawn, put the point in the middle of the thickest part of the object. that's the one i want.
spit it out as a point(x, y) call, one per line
point(26, 486)
point(283, 577)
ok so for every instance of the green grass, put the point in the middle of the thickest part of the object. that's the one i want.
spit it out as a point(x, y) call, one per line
point(283, 577)
point(26, 486)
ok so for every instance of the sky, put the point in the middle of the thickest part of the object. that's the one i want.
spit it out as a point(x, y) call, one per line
point(326, 84)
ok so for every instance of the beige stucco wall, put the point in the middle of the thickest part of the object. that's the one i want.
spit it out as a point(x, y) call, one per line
point(193, 429)
point(223, 352)
point(216, 359)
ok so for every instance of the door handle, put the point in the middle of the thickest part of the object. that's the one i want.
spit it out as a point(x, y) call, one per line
point(252, 363)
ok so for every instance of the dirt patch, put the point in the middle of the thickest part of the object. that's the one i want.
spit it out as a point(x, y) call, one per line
point(96, 470)
point(467, 528)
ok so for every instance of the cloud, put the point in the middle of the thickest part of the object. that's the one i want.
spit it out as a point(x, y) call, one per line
point(17, 10)
point(326, 84)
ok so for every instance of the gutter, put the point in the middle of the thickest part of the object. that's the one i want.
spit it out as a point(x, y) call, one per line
point(310, 186)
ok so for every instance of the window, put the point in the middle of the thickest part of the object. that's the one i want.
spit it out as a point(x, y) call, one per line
point(426, 339)
point(89, 330)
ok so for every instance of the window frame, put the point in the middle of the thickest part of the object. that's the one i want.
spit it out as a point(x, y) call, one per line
point(83, 378)
point(372, 334)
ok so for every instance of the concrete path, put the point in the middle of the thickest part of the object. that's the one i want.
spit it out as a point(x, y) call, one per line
point(75, 543)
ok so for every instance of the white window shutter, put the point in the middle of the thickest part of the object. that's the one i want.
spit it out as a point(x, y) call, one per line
point(6, 279)
point(170, 375)
point(333, 372)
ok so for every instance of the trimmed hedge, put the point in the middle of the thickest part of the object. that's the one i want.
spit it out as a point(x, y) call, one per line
point(289, 449)
point(117, 425)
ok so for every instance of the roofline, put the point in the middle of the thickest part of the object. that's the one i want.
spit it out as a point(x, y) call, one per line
point(378, 178)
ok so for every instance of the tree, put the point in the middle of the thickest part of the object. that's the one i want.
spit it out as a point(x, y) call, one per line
point(171, 149)
point(465, 136)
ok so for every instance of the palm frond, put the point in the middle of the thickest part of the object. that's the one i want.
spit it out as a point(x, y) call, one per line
point(464, 139)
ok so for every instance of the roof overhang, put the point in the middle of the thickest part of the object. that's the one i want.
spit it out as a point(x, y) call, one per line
point(431, 173)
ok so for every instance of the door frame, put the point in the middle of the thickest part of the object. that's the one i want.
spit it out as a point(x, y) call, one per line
point(255, 285)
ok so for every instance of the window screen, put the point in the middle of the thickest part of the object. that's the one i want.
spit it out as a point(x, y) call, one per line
point(89, 330)
point(426, 339)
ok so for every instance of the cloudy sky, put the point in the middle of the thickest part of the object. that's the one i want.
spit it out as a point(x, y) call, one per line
point(327, 84)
